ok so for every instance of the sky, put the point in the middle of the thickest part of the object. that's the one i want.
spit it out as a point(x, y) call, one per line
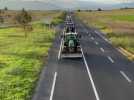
point(111, 1)
point(61, 4)
point(102, 1)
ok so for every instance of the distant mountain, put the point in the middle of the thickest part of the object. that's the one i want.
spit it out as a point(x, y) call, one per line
point(122, 5)
point(31, 5)
point(50, 5)
point(90, 5)
point(59, 4)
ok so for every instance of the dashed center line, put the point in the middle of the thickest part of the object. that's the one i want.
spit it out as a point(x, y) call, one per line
point(92, 38)
point(125, 76)
point(102, 49)
point(104, 38)
point(59, 54)
point(96, 43)
point(112, 61)
point(53, 86)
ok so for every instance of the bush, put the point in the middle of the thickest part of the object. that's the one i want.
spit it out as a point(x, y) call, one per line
point(56, 21)
point(99, 9)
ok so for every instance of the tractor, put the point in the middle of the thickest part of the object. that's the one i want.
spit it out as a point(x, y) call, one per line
point(70, 46)
point(70, 41)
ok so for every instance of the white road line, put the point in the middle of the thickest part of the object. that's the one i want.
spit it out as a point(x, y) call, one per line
point(103, 37)
point(59, 54)
point(53, 86)
point(112, 61)
point(106, 40)
point(92, 38)
point(102, 49)
point(90, 77)
point(125, 76)
point(96, 43)
point(99, 34)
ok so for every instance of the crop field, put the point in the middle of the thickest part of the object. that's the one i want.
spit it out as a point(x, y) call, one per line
point(22, 58)
point(118, 25)
point(36, 15)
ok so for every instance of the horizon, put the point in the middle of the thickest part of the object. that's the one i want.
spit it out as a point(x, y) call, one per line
point(64, 4)
point(69, 1)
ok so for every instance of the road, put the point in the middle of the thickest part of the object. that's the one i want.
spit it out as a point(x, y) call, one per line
point(102, 74)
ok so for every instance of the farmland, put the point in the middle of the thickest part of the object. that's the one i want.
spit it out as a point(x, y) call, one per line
point(118, 26)
point(22, 58)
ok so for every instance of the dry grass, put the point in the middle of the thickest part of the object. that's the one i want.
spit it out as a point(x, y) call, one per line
point(117, 24)
point(9, 16)
point(107, 20)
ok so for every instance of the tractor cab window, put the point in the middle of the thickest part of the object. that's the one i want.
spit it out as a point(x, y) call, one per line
point(70, 37)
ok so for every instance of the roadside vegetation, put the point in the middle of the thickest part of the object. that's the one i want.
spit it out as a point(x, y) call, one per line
point(22, 58)
point(118, 25)
point(58, 19)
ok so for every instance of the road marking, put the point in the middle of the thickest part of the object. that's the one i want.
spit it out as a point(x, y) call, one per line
point(112, 61)
point(92, 38)
point(53, 86)
point(90, 77)
point(125, 76)
point(102, 49)
point(59, 54)
point(99, 34)
point(104, 38)
point(96, 43)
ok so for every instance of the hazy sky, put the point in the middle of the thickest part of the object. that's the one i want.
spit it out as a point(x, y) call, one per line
point(102, 1)
point(111, 1)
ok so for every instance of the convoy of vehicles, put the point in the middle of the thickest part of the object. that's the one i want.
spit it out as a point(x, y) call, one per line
point(70, 43)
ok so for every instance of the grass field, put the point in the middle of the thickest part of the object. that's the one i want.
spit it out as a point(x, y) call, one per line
point(21, 59)
point(9, 16)
point(118, 25)
point(123, 17)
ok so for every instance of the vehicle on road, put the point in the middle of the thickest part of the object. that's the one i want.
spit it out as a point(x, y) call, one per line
point(70, 43)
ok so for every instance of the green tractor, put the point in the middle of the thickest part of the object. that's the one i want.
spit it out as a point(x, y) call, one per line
point(70, 46)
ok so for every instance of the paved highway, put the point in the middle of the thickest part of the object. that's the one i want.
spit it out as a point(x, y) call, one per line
point(102, 74)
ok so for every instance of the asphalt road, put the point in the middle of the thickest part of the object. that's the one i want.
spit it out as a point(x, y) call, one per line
point(102, 74)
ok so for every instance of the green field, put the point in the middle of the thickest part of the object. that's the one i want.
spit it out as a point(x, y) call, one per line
point(123, 17)
point(118, 25)
point(22, 58)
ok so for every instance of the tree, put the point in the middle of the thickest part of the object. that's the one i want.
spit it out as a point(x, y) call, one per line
point(99, 9)
point(24, 18)
point(5, 8)
point(79, 10)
